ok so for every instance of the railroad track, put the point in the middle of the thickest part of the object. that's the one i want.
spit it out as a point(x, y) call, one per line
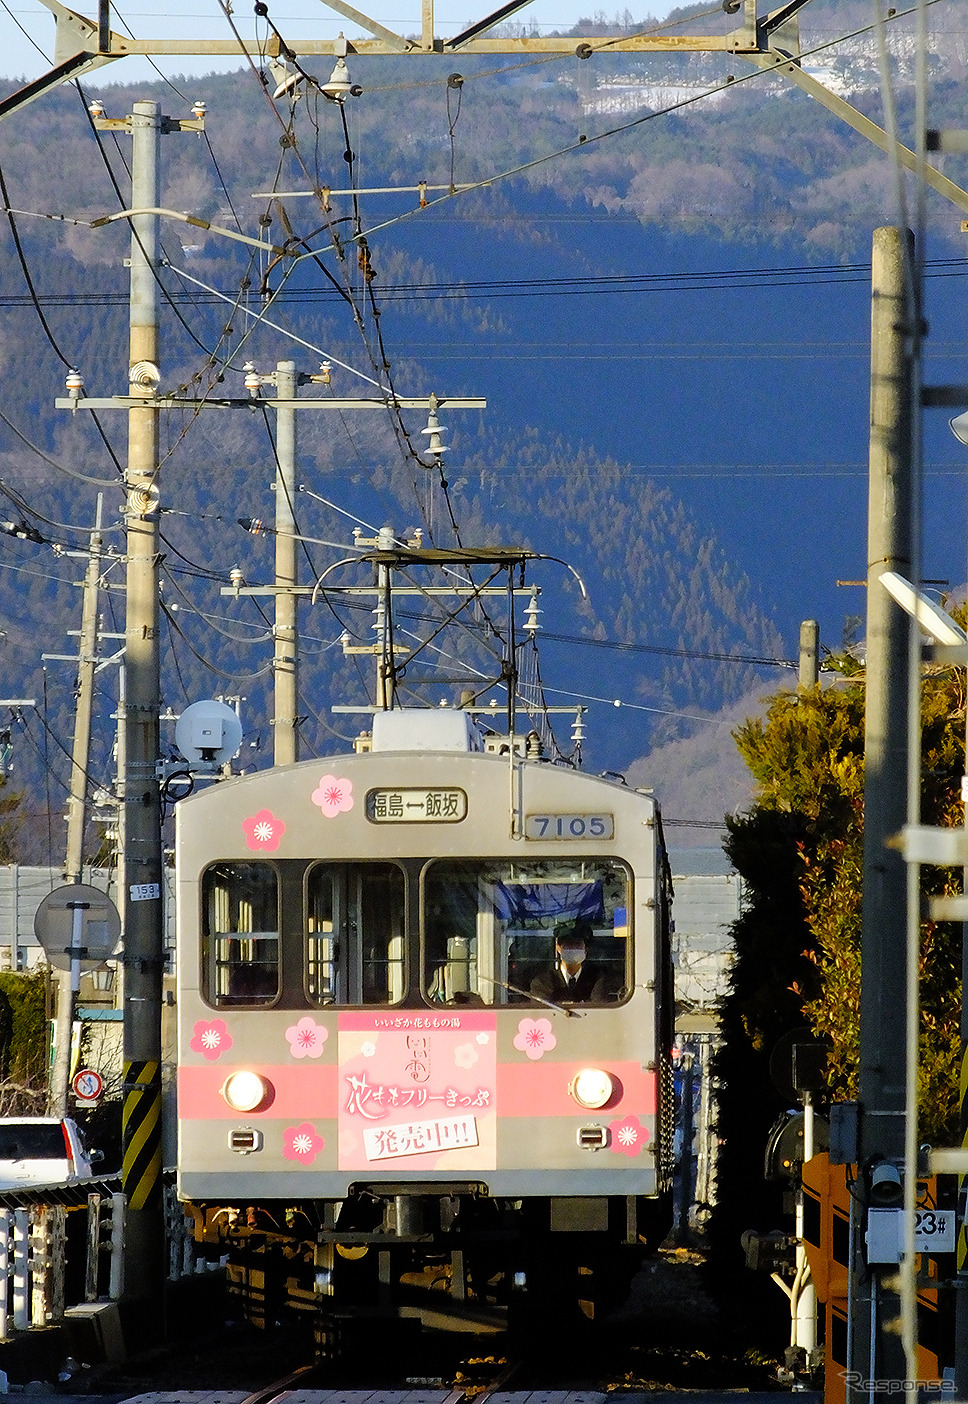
point(476, 1381)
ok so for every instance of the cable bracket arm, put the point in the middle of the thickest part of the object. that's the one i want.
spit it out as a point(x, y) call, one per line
point(856, 119)
point(394, 41)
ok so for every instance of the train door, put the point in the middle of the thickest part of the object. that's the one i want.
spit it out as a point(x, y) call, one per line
point(356, 933)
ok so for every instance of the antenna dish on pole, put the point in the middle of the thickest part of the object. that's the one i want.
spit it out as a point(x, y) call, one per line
point(208, 734)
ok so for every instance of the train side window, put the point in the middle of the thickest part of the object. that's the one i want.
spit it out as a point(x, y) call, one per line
point(488, 928)
point(356, 933)
point(240, 934)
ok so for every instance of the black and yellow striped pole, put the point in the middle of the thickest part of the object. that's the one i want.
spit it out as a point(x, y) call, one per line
point(141, 1136)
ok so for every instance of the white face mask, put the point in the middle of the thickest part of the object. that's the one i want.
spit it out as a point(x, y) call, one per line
point(571, 955)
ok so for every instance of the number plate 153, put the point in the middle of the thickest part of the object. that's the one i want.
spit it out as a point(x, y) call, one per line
point(569, 826)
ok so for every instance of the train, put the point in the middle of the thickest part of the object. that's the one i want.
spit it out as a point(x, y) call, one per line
point(380, 1105)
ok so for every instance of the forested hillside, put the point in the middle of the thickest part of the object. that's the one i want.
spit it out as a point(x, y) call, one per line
point(669, 326)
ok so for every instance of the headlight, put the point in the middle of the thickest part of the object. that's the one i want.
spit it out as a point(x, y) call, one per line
point(592, 1088)
point(247, 1091)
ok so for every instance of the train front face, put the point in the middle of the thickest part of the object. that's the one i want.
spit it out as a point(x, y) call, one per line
point(370, 1040)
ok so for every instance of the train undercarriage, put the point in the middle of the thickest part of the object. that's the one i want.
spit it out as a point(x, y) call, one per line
point(455, 1259)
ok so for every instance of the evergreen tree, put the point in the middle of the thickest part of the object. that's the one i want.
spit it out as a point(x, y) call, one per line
point(799, 851)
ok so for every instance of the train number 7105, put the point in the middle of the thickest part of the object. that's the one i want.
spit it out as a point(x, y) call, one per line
point(569, 826)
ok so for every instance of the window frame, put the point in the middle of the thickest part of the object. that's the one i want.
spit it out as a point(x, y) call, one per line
point(429, 967)
point(354, 966)
point(208, 959)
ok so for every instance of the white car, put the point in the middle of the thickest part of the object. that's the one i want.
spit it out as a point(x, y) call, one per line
point(42, 1150)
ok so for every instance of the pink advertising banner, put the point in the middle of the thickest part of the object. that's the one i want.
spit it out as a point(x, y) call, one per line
point(417, 1091)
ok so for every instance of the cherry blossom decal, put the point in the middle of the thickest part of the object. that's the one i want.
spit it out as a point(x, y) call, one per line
point(534, 1037)
point(333, 796)
point(628, 1136)
point(210, 1038)
point(306, 1038)
point(263, 830)
point(465, 1055)
point(302, 1143)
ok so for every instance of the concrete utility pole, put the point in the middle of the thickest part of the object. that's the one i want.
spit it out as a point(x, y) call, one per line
point(87, 649)
point(285, 736)
point(809, 674)
point(77, 805)
point(876, 1354)
point(142, 906)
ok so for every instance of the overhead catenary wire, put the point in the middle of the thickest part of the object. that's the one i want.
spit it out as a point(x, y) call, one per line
point(210, 618)
point(587, 140)
point(381, 367)
point(61, 467)
point(760, 662)
point(23, 506)
point(41, 574)
point(259, 317)
point(468, 291)
point(301, 487)
point(784, 275)
point(599, 136)
point(197, 570)
point(233, 675)
point(638, 706)
point(49, 733)
point(52, 340)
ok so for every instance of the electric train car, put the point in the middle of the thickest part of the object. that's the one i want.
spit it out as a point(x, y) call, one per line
point(374, 1096)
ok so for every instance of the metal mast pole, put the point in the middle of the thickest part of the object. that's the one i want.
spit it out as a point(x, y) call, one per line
point(142, 897)
point(878, 1354)
point(285, 741)
point(76, 804)
point(384, 644)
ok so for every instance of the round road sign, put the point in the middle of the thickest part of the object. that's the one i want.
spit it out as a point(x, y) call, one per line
point(100, 925)
point(87, 1084)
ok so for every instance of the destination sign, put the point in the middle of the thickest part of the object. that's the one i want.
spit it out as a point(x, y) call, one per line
point(416, 806)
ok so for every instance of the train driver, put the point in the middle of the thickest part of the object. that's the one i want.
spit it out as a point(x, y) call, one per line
point(573, 978)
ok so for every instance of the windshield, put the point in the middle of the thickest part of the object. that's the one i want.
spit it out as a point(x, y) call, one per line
point(494, 931)
point(33, 1142)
